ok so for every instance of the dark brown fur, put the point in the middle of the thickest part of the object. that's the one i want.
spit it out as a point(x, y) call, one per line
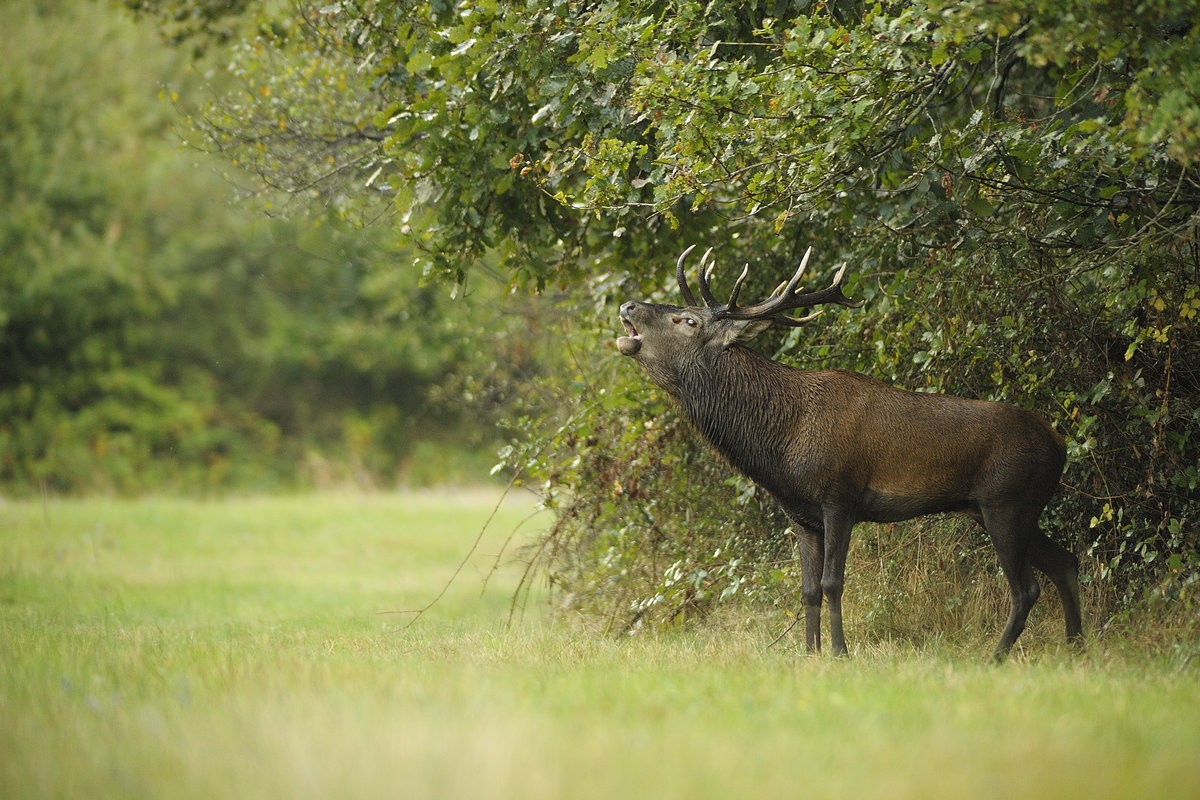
point(836, 448)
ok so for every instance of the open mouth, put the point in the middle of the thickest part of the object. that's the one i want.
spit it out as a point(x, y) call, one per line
point(631, 342)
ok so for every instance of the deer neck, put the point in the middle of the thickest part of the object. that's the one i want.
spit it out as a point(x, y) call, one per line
point(743, 404)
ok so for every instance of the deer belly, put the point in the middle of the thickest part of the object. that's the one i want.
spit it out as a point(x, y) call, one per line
point(877, 506)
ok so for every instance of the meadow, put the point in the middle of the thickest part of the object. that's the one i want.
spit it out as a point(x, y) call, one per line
point(256, 647)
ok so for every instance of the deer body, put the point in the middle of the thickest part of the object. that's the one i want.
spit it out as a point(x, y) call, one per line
point(835, 448)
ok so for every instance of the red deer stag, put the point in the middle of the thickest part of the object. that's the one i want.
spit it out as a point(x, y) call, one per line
point(836, 448)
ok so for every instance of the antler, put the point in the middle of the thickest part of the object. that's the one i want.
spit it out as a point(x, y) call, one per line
point(705, 289)
point(688, 297)
point(787, 297)
point(784, 298)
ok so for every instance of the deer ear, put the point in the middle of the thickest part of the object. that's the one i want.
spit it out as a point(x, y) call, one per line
point(745, 330)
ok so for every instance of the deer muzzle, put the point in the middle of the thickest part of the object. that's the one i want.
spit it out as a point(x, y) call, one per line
point(631, 342)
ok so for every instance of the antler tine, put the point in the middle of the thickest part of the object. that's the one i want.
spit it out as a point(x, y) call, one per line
point(796, 322)
point(705, 274)
point(688, 297)
point(786, 297)
point(789, 286)
point(830, 294)
point(737, 287)
point(795, 281)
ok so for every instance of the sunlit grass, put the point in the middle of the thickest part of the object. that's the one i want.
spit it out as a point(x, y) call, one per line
point(166, 648)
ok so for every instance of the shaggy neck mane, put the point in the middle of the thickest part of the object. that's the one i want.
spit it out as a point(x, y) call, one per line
point(737, 401)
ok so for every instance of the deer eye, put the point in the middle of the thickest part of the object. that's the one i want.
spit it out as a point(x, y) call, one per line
point(690, 322)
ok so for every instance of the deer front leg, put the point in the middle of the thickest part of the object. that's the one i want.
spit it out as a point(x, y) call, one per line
point(812, 560)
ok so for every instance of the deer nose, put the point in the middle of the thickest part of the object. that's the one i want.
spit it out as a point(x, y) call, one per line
point(627, 308)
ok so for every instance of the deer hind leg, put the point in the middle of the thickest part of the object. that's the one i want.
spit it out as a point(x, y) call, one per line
point(1061, 567)
point(1012, 532)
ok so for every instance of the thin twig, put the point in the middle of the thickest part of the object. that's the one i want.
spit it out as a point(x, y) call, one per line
point(784, 633)
point(419, 612)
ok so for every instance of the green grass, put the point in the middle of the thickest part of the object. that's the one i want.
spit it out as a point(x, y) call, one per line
point(170, 648)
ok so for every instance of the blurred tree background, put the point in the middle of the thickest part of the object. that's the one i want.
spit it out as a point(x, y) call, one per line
point(1014, 184)
point(160, 332)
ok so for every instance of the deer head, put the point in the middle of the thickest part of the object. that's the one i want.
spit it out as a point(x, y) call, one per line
point(666, 339)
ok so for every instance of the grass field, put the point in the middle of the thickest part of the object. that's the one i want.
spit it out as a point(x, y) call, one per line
point(243, 648)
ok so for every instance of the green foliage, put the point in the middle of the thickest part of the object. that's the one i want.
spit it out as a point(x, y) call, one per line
point(1012, 182)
